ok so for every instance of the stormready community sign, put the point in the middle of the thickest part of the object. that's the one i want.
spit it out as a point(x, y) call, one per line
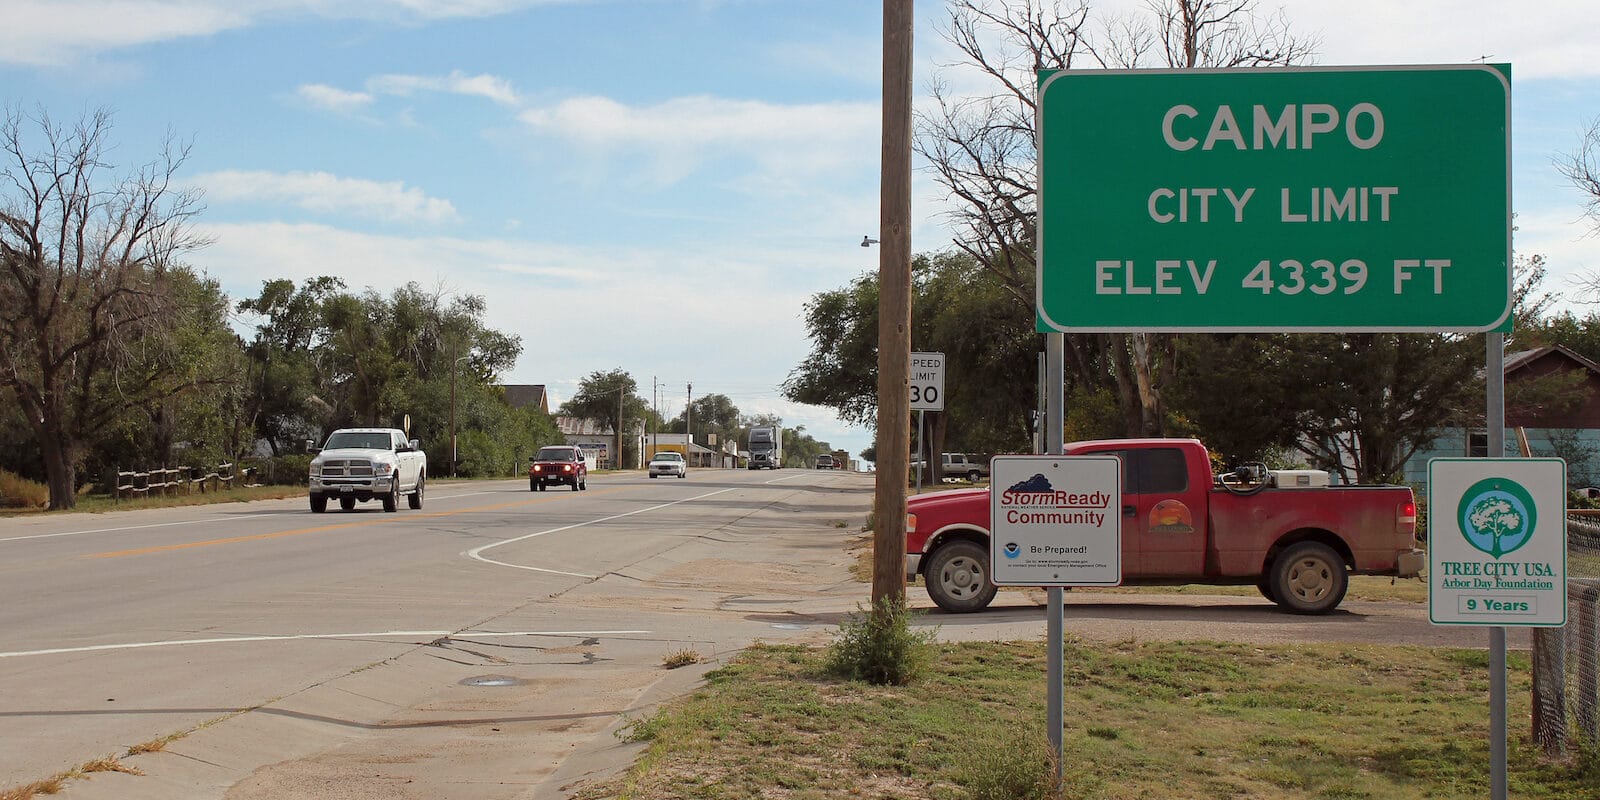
point(1055, 521)
point(1285, 199)
point(1497, 541)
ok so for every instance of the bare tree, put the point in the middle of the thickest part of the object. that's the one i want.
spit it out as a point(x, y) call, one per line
point(83, 282)
point(981, 147)
point(1582, 168)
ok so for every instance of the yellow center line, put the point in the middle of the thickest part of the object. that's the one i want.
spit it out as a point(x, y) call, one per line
point(340, 526)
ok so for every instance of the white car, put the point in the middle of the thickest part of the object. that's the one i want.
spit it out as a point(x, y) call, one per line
point(667, 462)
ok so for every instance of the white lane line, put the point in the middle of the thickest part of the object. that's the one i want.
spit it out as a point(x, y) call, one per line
point(476, 553)
point(199, 521)
point(787, 478)
point(139, 527)
point(293, 637)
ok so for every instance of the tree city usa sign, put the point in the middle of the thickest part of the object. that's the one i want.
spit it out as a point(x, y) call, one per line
point(1497, 541)
point(1290, 199)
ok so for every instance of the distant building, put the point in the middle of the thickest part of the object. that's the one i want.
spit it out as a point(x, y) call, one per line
point(595, 439)
point(1572, 434)
point(523, 395)
point(697, 455)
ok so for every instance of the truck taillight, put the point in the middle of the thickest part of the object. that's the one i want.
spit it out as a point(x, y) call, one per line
point(1406, 519)
point(911, 523)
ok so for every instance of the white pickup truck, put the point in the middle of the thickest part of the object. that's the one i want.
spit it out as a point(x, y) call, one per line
point(360, 464)
point(957, 465)
point(954, 466)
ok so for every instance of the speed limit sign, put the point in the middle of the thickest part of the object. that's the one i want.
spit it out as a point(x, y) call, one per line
point(927, 381)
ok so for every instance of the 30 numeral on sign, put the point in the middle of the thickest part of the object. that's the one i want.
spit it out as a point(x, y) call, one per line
point(927, 381)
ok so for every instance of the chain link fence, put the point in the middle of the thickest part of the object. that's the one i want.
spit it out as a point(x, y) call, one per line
point(1566, 664)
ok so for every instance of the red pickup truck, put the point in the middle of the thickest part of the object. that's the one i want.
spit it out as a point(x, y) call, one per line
point(1289, 533)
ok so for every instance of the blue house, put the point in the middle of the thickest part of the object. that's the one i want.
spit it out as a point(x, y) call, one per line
point(1569, 429)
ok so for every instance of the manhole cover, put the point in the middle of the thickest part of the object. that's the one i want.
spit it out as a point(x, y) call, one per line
point(492, 680)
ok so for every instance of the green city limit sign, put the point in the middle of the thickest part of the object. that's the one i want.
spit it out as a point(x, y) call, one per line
point(1298, 199)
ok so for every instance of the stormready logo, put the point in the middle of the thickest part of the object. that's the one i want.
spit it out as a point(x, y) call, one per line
point(1034, 501)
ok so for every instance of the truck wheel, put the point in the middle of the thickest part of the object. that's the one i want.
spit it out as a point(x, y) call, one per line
point(541, 485)
point(346, 503)
point(1309, 578)
point(415, 499)
point(583, 483)
point(319, 503)
point(533, 485)
point(391, 501)
point(972, 476)
point(1264, 586)
point(574, 483)
point(958, 578)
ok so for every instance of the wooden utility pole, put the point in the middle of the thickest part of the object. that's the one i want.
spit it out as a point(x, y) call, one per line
point(894, 310)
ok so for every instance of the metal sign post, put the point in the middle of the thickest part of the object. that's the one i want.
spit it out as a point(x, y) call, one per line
point(1055, 523)
point(927, 394)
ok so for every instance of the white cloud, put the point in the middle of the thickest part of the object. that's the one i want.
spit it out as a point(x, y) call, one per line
point(333, 99)
point(47, 32)
point(1553, 42)
point(680, 134)
point(327, 193)
point(491, 87)
point(52, 32)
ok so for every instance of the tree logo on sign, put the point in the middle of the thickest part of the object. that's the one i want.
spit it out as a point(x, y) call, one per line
point(1497, 516)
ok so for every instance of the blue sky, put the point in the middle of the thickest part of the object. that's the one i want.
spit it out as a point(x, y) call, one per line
point(680, 174)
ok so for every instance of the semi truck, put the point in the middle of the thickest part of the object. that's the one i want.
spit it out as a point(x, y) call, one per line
point(766, 447)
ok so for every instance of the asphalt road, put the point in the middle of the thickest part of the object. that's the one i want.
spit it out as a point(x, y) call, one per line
point(468, 648)
point(486, 646)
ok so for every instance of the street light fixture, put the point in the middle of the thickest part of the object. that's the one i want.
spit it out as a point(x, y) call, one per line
point(453, 365)
point(868, 241)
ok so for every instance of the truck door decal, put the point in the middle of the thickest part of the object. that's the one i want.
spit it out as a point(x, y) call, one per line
point(1171, 516)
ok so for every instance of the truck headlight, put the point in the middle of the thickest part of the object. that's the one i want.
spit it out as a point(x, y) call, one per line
point(382, 468)
point(316, 470)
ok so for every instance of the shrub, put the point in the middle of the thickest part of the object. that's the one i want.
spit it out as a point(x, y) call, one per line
point(290, 469)
point(880, 647)
point(19, 492)
point(1018, 767)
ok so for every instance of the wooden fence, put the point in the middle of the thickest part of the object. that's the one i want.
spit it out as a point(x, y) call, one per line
point(174, 480)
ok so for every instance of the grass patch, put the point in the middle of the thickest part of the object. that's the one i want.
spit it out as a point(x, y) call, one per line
point(156, 745)
point(1144, 719)
point(17, 492)
point(879, 646)
point(99, 504)
point(680, 658)
point(57, 783)
point(108, 764)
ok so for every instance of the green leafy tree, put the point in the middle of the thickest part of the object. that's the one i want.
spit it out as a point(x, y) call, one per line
point(611, 399)
point(800, 449)
point(1369, 401)
point(841, 372)
point(1233, 393)
point(963, 311)
point(286, 380)
point(713, 413)
point(86, 263)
